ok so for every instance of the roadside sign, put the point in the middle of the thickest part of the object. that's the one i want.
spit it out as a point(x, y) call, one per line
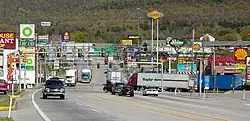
point(155, 14)
point(27, 31)
point(45, 24)
point(248, 61)
point(134, 37)
point(27, 43)
point(206, 82)
point(7, 40)
point(127, 42)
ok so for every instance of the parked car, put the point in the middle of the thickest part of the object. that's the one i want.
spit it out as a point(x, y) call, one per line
point(3, 86)
point(54, 87)
point(150, 91)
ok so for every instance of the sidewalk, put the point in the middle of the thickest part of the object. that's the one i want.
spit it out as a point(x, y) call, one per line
point(25, 110)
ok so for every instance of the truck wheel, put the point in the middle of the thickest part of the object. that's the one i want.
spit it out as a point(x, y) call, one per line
point(132, 94)
point(112, 92)
point(120, 93)
point(44, 96)
point(104, 88)
point(5, 92)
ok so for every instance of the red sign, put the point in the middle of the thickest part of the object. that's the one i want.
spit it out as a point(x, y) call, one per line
point(240, 54)
point(8, 40)
point(222, 60)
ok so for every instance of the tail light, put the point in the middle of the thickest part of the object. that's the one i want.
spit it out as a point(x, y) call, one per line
point(6, 84)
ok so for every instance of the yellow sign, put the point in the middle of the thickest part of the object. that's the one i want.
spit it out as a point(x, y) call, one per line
point(240, 66)
point(197, 47)
point(240, 54)
point(155, 14)
point(127, 42)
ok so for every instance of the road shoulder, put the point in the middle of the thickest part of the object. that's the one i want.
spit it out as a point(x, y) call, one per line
point(25, 110)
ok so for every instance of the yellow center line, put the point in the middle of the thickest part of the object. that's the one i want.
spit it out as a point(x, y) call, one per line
point(181, 111)
point(139, 107)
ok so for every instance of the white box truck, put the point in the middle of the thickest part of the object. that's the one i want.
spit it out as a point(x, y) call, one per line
point(170, 81)
point(71, 77)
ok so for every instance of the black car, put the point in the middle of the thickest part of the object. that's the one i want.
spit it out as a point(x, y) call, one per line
point(54, 88)
point(126, 90)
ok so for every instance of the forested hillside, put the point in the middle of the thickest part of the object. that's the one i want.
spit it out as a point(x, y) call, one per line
point(113, 20)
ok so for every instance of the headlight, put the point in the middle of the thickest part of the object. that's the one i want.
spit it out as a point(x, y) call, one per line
point(47, 89)
point(62, 90)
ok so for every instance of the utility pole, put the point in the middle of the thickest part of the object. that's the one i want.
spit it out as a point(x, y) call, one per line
point(192, 52)
point(138, 24)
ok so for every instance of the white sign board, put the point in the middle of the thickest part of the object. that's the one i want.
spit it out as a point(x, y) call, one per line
point(27, 31)
point(197, 47)
point(45, 24)
point(248, 61)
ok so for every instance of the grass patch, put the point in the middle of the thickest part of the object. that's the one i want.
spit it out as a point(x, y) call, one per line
point(18, 92)
point(5, 101)
point(6, 119)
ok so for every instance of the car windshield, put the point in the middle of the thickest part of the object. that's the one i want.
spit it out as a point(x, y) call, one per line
point(119, 85)
point(53, 82)
point(2, 81)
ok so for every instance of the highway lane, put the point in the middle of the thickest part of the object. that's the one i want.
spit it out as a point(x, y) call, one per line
point(89, 102)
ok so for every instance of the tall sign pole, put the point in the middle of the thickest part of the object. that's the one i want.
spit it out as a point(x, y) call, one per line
point(155, 15)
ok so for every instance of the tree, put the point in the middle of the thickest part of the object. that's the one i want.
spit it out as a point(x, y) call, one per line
point(244, 33)
point(78, 37)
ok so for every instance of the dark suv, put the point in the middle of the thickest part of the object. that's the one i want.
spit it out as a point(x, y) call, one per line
point(54, 88)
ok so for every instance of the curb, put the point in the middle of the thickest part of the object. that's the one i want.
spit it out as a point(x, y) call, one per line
point(5, 108)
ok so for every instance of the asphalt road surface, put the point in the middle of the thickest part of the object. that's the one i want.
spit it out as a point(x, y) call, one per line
point(87, 102)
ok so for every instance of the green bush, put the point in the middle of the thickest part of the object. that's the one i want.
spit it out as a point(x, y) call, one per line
point(6, 119)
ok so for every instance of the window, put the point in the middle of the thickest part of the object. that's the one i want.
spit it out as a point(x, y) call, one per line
point(2, 80)
point(53, 82)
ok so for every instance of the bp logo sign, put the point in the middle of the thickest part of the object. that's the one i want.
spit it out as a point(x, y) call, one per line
point(27, 31)
point(177, 43)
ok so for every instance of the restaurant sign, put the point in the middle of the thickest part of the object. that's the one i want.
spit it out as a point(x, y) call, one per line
point(7, 40)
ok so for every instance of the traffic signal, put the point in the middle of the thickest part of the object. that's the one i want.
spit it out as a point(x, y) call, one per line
point(98, 65)
point(58, 54)
point(41, 55)
point(145, 45)
point(110, 65)
point(79, 52)
point(121, 65)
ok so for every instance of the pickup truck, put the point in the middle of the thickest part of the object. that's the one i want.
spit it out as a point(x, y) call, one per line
point(116, 87)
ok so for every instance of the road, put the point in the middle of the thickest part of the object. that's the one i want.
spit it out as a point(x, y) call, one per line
point(87, 102)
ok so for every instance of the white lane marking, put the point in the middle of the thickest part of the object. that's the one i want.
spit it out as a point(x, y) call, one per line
point(78, 103)
point(42, 114)
point(96, 110)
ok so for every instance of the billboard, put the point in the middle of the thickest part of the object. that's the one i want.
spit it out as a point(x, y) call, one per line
point(222, 60)
point(186, 67)
point(240, 54)
point(27, 31)
point(127, 42)
point(8, 40)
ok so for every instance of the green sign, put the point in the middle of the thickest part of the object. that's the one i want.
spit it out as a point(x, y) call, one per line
point(177, 43)
point(27, 43)
point(29, 65)
point(30, 68)
point(97, 50)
